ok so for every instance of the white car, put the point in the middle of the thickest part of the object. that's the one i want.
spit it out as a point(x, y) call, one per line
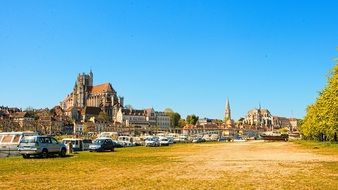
point(41, 146)
point(126, 141)
point(164, 141)
point(154, 141)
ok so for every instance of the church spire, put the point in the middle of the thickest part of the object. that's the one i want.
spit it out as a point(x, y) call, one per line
point(227, 113)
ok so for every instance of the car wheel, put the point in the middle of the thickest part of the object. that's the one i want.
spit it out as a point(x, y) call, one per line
point(44, 153)
point(62, 153)
point(25, 156)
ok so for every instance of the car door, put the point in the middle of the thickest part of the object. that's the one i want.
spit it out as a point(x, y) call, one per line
point(110, 144)
point(54, 145)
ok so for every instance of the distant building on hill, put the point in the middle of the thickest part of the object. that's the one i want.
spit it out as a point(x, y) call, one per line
point(85, 94)
point(259, 117)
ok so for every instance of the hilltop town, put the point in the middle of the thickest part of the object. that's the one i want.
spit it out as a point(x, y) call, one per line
point(92, 109)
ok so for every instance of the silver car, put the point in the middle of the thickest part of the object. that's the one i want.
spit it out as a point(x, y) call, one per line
point(154, 141)
point(41, 146)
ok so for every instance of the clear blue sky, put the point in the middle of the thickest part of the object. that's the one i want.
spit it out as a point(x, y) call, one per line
point(189, 55)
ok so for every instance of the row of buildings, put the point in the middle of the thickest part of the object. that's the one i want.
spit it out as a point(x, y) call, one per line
point(257, 119)
point(98, 108)
point(46, 121)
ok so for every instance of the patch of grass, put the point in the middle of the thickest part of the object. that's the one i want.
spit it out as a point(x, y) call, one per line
point(319, 147)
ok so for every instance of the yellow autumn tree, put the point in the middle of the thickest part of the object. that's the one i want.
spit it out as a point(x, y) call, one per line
point(321, 120)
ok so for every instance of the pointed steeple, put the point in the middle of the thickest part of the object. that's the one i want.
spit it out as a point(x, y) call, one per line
point(227, 113)
point(91, 73)
point(91, 77)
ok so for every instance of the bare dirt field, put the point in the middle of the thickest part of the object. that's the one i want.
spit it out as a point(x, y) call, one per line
point(258, 165)
point(248, 165)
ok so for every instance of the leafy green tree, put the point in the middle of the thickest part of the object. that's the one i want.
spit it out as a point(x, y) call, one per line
point(192, 119)
point(321, 120)
point(182, 123)
point(174, 117)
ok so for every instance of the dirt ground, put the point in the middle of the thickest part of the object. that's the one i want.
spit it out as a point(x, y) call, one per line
point(257, 165)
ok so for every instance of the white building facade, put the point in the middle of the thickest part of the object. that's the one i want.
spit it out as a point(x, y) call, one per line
point(143, 118)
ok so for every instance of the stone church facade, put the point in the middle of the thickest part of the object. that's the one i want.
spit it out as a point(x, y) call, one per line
point(86, 95)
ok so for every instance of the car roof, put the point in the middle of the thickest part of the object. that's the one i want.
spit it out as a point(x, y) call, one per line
point(70, 139)
point(103, 138)
point(38, 136)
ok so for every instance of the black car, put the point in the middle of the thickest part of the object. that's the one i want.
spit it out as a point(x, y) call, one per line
point(102, 144)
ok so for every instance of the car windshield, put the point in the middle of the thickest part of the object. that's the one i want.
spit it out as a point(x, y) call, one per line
point(28, 140)
point(87, 141)
point(99, 141)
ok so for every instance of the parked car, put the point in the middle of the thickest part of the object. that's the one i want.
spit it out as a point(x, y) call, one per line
point(239, 139)
point(225, 139)
point(138, 141)
point(77, 144)
point(86, 143)
point(198, 140)
point(164, 141)
point(102, 144)
point(154, 141)
point(126, 141)
point(118, 144)
point(42, 146)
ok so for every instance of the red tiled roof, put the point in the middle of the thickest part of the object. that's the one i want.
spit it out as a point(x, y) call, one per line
point(20, 114)
point(106, 87)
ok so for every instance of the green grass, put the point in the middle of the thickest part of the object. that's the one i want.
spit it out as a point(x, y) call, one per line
point(166, 168)
point(319, 147)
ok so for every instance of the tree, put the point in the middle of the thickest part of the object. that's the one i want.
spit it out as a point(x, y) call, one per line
point(103, 117)
point(192, 119)
point(321, 120)
point(182, 123)
point(174, 117)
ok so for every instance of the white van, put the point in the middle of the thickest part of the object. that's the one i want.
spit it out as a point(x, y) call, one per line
point(78, 144)
point(126, 141)
point(112, 135)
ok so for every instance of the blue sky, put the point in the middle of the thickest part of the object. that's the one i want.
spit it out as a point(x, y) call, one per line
point(186, 55)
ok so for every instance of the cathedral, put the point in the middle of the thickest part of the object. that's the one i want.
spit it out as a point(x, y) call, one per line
point(86, 98)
